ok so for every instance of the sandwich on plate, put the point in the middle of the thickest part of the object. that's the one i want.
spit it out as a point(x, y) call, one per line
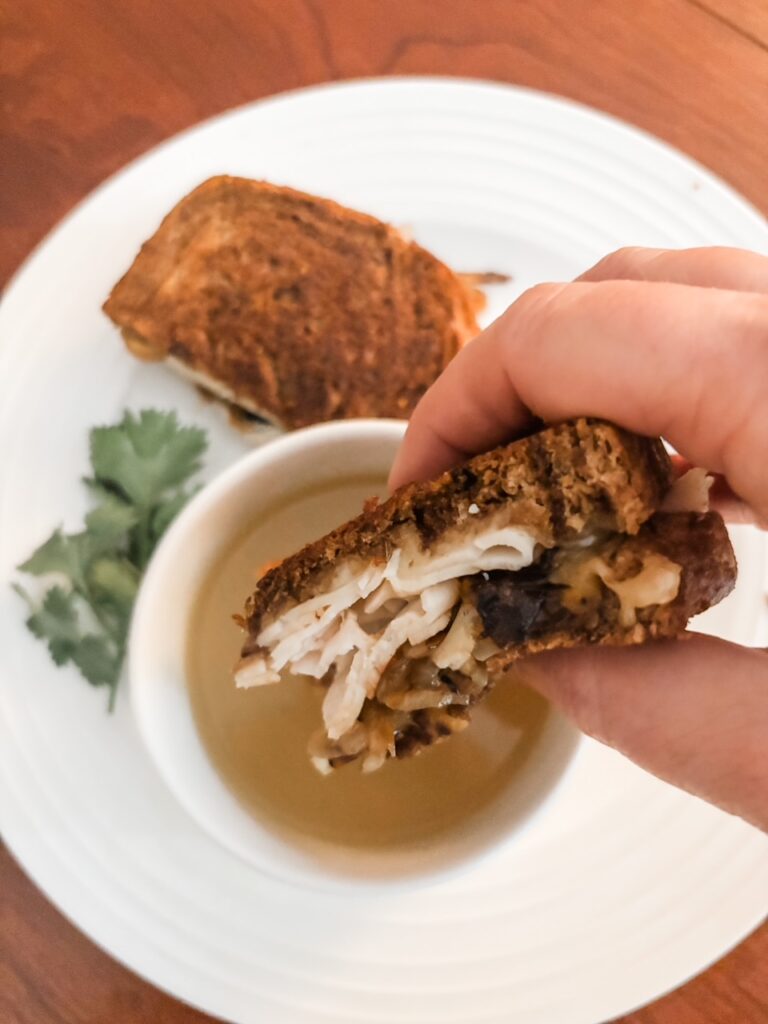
point(291, 308)
point(408, 614)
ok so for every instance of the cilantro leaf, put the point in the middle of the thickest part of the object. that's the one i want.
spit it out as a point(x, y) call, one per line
point(102, 492)
point(60, 554)
point(98, 660)
point(110, 523)
point(145, 455)
point(56, 622)
point(165, 514)
point(114, 581)
point(72, 554)
point(140, 469)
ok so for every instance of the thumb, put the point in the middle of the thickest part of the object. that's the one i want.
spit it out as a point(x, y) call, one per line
point(693, 711)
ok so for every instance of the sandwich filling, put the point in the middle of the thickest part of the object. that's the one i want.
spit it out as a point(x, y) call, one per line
point(403, 645)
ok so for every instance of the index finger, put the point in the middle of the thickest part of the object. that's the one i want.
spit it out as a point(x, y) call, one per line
point(711, 266)
point(687, 363)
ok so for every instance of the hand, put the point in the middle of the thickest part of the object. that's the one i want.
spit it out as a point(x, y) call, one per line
point(671, 343)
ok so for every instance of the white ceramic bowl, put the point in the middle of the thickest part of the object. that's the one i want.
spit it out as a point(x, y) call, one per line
point(223, 510)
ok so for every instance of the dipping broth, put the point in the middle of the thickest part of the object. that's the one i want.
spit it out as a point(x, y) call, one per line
point(257, 738)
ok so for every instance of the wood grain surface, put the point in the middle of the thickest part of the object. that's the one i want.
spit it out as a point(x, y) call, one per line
point(86, 85)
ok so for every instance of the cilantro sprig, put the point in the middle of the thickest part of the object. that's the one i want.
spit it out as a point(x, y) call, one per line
point(140, 479)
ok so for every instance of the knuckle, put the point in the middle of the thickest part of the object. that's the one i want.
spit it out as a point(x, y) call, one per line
point(625, 257)
point(744, 337)
point(740, 357)
point(536, 301)
point(757, 318)
point(620, 263)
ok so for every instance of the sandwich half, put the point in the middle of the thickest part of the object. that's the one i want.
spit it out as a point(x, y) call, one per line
point(292, 308)
point(407, 614)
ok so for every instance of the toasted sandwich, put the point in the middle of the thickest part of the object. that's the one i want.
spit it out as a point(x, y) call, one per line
point(408, 614)
point(292, 308)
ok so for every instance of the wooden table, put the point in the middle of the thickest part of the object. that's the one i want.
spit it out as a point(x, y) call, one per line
point(87, 85)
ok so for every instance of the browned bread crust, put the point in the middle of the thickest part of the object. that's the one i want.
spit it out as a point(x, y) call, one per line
point(558, 481)
point(696, 541)
point(292, 306)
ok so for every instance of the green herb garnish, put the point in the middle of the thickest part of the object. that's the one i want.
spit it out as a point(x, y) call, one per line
point(140, 471)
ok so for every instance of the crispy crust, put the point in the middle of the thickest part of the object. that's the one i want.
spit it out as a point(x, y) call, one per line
point(558, 481)
point(294, 307)
point(696, 541)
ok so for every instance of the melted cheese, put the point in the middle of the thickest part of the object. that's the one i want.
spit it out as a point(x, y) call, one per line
point(658, 582)
point(141, 348)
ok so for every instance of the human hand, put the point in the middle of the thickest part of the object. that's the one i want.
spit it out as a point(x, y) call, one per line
point(671, 343)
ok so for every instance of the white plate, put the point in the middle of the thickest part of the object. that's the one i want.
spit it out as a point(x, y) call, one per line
point(627, 887)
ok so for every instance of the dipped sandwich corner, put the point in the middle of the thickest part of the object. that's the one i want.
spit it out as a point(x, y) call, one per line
point(408, 614)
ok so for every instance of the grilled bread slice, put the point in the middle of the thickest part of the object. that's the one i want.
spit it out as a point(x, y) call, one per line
point(291, 307)
point(410, 612)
